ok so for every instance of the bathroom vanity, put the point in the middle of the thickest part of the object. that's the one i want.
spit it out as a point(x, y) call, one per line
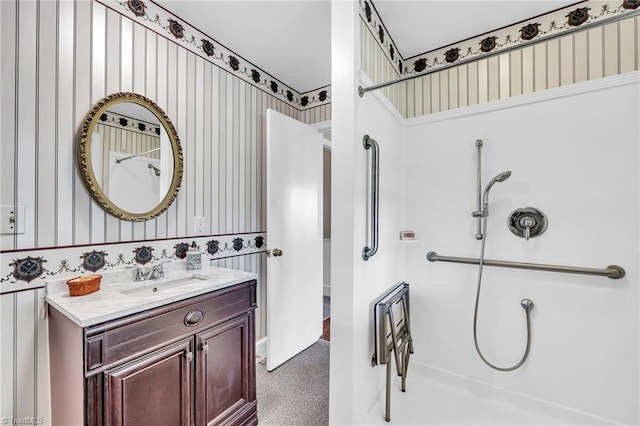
point(174, 351)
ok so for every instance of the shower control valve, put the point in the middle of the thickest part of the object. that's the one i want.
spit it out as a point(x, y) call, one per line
point(527, 222)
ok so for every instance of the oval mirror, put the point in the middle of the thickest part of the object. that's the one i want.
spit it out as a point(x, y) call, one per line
point(130, 157)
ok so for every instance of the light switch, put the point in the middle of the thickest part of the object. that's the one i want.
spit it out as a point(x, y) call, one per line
point(11, 219)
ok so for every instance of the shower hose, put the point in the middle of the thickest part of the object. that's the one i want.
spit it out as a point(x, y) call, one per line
point(527, 305)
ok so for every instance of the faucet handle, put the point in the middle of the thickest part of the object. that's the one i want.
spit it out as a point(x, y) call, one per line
point(159, 267)
point(139, 274)
point(157, 271)
point(527, 223)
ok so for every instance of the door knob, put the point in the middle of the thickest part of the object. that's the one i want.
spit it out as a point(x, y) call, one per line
point(276, 252)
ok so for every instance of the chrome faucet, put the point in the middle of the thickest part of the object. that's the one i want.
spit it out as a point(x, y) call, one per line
point(151, 273)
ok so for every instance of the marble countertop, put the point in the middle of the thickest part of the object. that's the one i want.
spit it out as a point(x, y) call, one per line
point(119, 296)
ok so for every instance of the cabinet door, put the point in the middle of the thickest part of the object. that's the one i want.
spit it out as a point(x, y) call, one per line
point(225, 373)
point(153, 390)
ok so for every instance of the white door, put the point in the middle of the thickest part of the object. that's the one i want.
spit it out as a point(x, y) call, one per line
point(294, 237)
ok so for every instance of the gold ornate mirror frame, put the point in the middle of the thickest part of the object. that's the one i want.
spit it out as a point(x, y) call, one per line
point(86, 167)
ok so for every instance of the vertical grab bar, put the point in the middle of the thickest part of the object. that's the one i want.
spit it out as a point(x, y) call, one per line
point(479, 182)
point(367, 251)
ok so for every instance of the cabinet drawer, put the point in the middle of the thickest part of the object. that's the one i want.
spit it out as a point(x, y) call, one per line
point(122, 339)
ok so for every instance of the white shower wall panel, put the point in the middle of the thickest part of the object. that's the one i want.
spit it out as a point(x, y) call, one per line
point(574, 154)
point(354, 288)
point(386, 267)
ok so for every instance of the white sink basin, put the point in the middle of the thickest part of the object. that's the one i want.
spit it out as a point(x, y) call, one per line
point(154, 288)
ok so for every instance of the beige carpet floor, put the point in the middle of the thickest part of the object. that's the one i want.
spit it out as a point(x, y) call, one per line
point(297, 392)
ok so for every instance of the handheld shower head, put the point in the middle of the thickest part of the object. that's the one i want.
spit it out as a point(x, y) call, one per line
point(500, 178)
point(503, 176)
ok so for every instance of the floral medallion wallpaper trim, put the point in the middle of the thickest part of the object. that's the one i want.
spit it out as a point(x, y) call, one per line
point(520, 33)
point(21, 270)
point(28, 268)
point(369, 15)
point(181, 250)
point(137, 7)
point(94, 260)
point(259, 242)
point(213, 246)
point(176, 28)
point(132, 124)
point(143, 255)
point(631, 4)
point(551, 23)
point(162, 22)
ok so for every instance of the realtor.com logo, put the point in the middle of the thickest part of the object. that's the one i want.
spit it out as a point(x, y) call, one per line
point(22, 420)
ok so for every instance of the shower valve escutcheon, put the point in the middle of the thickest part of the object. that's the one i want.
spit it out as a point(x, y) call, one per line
point(527, 222)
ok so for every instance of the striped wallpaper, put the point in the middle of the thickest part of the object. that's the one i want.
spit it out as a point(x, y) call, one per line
point(599, 52)
point(376, 64)
point(58, 58)
point(220, 120)
point(586, 55)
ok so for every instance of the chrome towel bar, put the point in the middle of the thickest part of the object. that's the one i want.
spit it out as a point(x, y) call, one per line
point(369, 251)
point(614, 272)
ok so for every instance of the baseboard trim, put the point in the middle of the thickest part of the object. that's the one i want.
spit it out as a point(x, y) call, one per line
point(261, 349)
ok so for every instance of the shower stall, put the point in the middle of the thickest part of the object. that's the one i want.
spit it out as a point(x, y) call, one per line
point(573, 152)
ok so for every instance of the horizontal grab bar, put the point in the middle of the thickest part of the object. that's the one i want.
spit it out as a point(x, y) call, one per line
point(614, 272)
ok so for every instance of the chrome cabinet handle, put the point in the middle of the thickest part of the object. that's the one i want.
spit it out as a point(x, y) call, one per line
point(276, 252)
point(367, 251)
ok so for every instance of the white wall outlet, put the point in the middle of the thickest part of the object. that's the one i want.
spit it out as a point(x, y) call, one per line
point(199, 223)
point(11, 219)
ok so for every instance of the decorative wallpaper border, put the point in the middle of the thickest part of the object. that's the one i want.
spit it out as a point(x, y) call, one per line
point(369, 15)
point(519, 33)
point(120, 121)
point(165, 24)
point(28, 269)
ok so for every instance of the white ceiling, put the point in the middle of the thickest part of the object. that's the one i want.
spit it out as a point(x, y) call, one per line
point(420, 26)
point(291, 40)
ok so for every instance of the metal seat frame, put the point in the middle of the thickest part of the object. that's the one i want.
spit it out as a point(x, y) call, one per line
point(393, 335)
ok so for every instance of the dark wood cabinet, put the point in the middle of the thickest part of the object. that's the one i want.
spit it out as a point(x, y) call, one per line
point(188, 363)
point(225, 374)
point(153, 390)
